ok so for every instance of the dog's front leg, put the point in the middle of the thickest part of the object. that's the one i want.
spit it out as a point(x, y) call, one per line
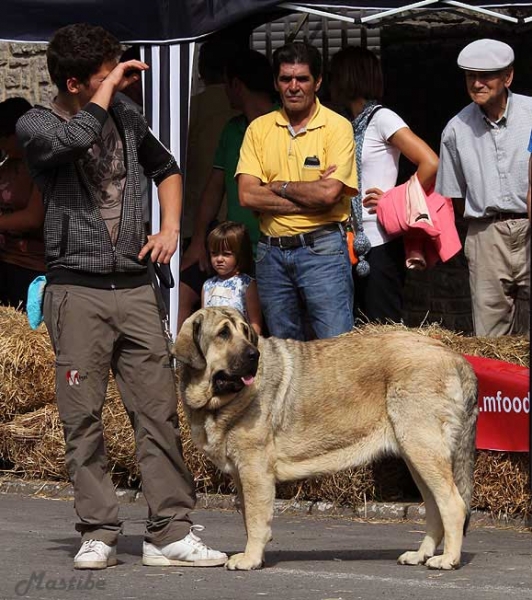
point(257, 489)
point(240, 504)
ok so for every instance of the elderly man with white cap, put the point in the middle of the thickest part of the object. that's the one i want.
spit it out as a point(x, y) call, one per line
point(484, 162)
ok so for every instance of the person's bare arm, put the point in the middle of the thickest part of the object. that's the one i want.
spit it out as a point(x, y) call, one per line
point(253, 307)
point(163, 244)
point(29, 218)
point(320, 194)
point(419, 153)
point(253, 194)
point(122, 76)
point(301, 197)
point(210, 202)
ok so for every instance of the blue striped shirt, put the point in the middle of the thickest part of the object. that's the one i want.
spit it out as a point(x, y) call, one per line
point(486, 163)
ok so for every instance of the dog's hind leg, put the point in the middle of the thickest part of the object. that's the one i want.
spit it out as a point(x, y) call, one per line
point(434, 468)
point(453, 514)
point(258, 494)
point(434, 524)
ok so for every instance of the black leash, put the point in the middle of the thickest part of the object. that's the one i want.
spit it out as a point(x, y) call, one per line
point(162, 275)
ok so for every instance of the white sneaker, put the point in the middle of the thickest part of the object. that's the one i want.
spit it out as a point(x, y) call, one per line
point(95, 554)
point(188, 552)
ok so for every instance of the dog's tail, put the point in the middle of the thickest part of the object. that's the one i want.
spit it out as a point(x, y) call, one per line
point(464, 452)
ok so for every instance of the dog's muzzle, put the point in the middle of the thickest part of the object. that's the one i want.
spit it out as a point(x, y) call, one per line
point(241, 373)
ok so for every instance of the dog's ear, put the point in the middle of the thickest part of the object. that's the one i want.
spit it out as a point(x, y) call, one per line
point(187, 347)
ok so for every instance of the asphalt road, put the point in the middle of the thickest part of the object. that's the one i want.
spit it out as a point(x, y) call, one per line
point(311, 558)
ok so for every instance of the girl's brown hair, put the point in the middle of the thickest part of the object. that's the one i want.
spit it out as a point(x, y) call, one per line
point(235, 238)
point(356, 73)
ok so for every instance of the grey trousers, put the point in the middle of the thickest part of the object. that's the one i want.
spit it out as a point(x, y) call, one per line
point(498, 256)
point(93, 330)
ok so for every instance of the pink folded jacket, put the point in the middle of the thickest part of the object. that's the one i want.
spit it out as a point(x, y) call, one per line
point(426, 223)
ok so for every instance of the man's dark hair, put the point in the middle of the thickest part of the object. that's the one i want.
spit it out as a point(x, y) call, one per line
point(10, 112)
point(79, 51)
point(356, 73)
point(298, 52)
point(214, 56)
point(253, 69)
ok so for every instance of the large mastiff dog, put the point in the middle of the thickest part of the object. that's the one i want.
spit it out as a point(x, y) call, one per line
point(267, 410)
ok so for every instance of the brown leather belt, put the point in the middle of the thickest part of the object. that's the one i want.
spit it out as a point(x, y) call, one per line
point(288, 242)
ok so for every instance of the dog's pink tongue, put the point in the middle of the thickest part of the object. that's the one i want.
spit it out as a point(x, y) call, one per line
point(248, 380)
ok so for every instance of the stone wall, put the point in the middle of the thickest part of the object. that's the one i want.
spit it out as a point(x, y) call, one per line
point(23, 72)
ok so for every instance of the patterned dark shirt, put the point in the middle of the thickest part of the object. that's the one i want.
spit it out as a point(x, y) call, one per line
point(76, 236)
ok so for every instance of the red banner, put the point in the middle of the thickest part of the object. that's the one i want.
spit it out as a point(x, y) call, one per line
point(503, 405)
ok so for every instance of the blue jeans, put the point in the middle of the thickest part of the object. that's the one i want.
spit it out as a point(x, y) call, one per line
point(313, 280)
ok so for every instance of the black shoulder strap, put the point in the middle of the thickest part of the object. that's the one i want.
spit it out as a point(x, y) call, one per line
point(375, 110)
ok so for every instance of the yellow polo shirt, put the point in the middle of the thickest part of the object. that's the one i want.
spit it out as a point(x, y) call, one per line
point(271, 152)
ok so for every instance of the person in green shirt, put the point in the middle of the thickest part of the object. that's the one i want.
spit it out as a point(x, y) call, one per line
point(249, 87)
point(226, 160)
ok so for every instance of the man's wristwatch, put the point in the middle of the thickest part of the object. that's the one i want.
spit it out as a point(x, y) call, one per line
point(283, 189)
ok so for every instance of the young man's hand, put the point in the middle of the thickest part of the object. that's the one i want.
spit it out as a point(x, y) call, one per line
point(162, 246)
point(126, 73)
point(123, 75)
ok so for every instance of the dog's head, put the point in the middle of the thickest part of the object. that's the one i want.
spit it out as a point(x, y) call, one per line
point(221, 346)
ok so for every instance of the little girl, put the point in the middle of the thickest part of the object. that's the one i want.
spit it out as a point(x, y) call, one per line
point(229, 247)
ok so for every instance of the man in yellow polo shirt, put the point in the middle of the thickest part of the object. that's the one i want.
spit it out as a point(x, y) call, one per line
point(297, 170)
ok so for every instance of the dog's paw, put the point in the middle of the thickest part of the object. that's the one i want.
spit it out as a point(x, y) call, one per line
point(443, 562)
point(241, 562)
point(412, 558)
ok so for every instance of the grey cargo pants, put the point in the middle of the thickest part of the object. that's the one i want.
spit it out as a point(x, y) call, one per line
point(93, 330)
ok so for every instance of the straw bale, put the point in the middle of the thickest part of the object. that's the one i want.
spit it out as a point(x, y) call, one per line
point(510, 348)
point(347, 488)
point(26, 365)
point(33, 442)
point(502, 484)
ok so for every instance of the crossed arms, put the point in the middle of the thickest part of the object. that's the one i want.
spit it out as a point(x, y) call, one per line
point(301, 197)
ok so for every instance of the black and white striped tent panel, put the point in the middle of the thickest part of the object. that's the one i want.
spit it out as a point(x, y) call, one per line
point(167, 86)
